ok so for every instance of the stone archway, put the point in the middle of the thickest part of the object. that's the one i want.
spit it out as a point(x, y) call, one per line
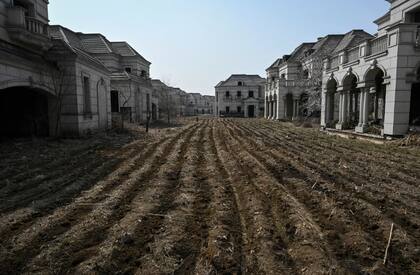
point(27, 111)
point(351, 101)
point(331, 104)
point(376, 96)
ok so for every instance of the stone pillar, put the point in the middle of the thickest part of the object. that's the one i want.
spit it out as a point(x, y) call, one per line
point(265, 108)
point(275, 116)
point(295, 109)
point(279, 108)
point(327, 109)
point(364, 110)
point(285, 107)
point(343, 115)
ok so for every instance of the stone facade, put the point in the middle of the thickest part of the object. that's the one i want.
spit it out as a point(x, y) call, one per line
point(54, 81)
point(129, 72)
point(46, 85)
point(294, 81)
point(374, 85)
point(240, 96)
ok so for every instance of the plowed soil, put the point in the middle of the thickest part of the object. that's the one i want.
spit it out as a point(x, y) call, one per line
point(215, 196)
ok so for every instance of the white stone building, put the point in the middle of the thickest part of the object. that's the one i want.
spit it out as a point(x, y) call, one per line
point(294, 81)
point(240, 95)
point(47, 86)
point(374, 86)
point(131, 92)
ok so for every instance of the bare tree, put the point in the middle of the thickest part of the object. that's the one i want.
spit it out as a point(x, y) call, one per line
point(309, 77)
point(56, 75)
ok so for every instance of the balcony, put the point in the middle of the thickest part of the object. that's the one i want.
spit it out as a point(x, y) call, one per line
point(378, 45)
point(27, 30)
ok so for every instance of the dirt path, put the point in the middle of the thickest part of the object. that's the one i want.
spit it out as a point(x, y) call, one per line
point(224, 196)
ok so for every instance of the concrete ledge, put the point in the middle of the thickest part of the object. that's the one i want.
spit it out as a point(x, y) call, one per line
point(353, 135)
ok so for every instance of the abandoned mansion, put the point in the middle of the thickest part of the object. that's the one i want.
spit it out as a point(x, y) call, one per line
point(55, 81)
point(355, 81)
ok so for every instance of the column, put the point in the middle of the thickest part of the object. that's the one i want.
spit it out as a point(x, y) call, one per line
point(341, 125)
point(364, 111)
point(275, 116)
point(265, 108)
point(295, 109)
point(327, 109)
point(285, 107)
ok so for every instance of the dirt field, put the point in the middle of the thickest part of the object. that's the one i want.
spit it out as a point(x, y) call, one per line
point(211, 197)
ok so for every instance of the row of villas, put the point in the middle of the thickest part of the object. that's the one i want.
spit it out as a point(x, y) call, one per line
point(174, 102)
point(55, 81)
point(355, 82)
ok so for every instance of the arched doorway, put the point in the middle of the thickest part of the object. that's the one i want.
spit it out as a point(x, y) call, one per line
point(351, 104)
point(376, 96)
point(26, 112)
point(331, 104)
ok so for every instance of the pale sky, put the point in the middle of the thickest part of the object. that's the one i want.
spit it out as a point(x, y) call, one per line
point(194, 44)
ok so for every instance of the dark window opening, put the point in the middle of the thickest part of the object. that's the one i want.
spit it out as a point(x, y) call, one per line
point(227, 94)
point(227, 110)
point(239, 109)
point(128, 70)
point(239, 94)
point(240, 83)
point(143, 73)
point(115, 104)
point(283, 76)
point(251, 93)
point(305, 74)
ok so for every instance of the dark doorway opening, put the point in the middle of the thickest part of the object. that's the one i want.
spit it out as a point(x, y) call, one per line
point(415, 105)
point(24, 113)
point(154, 112)
point(251, 111)
point(115, 104)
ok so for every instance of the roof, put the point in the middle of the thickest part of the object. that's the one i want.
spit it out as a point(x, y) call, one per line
point(253, 79)
point(94, 43)
point(73, 43)
point(275, 64)
point(352, 39)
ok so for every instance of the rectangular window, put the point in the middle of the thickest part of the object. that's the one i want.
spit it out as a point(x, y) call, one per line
point(239, 94)
point(227, 94)
point(239, 109)
point(128, 70)
point(227, 109)
point(251, 94)
point(86, 95)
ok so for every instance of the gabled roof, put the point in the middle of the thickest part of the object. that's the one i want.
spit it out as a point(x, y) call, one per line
point(74, 44)
point(275, 64)
point(253, 79)
point(327, 43)
point(94, 43)
point(352, 39)
point(299, 52)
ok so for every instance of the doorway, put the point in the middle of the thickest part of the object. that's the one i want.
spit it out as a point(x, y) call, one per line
point(251, 111)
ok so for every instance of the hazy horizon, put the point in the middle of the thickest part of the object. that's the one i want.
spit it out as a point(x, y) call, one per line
point(194, 45)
